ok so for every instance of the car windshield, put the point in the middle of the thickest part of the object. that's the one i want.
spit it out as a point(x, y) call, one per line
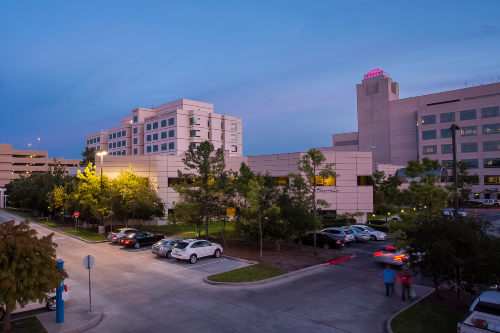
point(181, 245)
point(348, 231)
point(162, 242)
point(370, 229)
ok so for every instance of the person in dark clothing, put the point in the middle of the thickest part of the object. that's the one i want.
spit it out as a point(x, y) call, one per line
point(404, 277)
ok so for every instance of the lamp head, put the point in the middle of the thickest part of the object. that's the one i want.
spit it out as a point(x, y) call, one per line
point(101, 153)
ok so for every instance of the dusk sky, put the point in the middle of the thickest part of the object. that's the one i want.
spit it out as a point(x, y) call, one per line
point(289, 69)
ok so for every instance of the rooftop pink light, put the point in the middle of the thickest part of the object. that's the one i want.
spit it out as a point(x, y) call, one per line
point(375, 72)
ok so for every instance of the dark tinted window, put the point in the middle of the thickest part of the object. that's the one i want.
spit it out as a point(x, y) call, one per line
point(447, 163)
point(473, 164)
point(447, 117)
point(336, 232)
point(428, 135)
point(427, 120)
point(445, 133)
point(348, 232)
point(129, 231)
point(446, 149)
point(468, 114)
point(490, 145)
point(181, 245)
point(489, 308)
point(470, 147)
point(489, 112)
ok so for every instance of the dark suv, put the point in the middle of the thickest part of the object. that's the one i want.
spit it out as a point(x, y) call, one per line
point(323, 239)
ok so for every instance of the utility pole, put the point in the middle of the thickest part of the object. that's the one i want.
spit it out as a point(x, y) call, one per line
point(453, 129)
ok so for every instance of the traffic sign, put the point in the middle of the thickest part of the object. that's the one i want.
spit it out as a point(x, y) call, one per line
point(76, 214)
point(88, 262)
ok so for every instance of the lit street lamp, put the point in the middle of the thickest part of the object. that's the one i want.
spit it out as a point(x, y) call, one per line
point(101, 153)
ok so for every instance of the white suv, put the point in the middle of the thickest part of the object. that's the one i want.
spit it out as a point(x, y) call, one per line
point(193, 249)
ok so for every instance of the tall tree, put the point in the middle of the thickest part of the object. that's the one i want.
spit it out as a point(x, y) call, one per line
point(59, 199)
point(313, 166)
point(88, 156)
point(465, 182)
point(386, 194)
point(149, 205)
point(202, 166)
point(28, 267)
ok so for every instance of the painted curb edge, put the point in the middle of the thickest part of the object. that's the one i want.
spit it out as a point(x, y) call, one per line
point(88, 325)
point(388, 325)
point(254, 283)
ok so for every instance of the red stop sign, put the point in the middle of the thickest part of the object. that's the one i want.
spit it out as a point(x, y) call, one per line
point(76, 214)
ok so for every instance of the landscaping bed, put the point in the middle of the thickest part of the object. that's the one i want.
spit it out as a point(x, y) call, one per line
point(431, 315)
point(25, 325)
point(247, 274)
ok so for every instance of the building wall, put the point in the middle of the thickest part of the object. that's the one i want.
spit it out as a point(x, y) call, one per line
point(98, 140)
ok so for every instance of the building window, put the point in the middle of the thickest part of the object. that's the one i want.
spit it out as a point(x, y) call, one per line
point(164, 123)
point(447, 117)
point(208, 123)
point(163, 146)
point(430, 150)
point(171, 133)
point(155, 125)
point(234, 149)
point(468, 115)
point(148, 127)
point(492, 180)
point(428, 135)
point(119, 135)
point(476, 195)
point(234, 137)
point(234, 126)
point(135, 130)
point(365, 181)
point(114, 153)
point(114, 144)
point(123, 152)
point(193, 121)
point(491, 129)
point(221, 125)
point(124, 143)
point(87, 142)
point(445, 133)
point(110, 145)
point(99, 139)
point(148, 138)
point(135, 119)
point(468, 131)
point(470, 147)
point(155, 136)
point(446, 149)
point(170, 121)
point(170, 145)
point(114, 135)
point(155, 148)
point(163, 135)
point(110, 136)
point(119, 144)
point(135, 151)
point(194, 134)
point(209, 135)
point(473, 164)
point(491, 162)
point(124, 132)
point(148, 149)
point(489, 112)
point(447, 163)
point(491, 145)
point(320, 181)
point(98, 147)
point(194, 145)
point(135, 141)
point(427, 120)
point(222, 137)
point(119, 152)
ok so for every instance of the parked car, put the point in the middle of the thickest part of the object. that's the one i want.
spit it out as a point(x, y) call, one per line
point(374, 234)
point(490, 202)
point(360, 234)
point(139, 239)
point(389, 256)
point(345, 234)
point(114, 237)
point(483, 314)
point(194, 249)
point(51, 305)
point(323, 239)
point(452, 210)
point(163, 247)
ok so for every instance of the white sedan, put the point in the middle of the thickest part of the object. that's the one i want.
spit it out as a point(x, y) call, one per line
point(193, 249)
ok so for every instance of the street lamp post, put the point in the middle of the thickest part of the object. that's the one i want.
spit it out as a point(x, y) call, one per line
point(454, 128)
point(101, 153)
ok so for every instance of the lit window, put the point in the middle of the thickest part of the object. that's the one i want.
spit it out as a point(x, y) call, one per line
point(468, 131)
point(491, 129)
point(365, 181)
point(476, 195)
point(492, 179)
point(320, 181)
point(430, 150)
point(447, 117)
point(491, 162)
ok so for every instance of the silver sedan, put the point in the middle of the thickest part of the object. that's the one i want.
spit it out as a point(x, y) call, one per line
point(360, 234)
point(163, 247)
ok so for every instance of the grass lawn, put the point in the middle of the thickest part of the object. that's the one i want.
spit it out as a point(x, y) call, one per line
point(85, 234)
point(186, 231)
point(28, 325)
point(430, 316)
point(27, 216)
point(247, 274)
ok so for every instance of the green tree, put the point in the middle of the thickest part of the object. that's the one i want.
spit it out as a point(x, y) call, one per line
point(59, 199)
point(28, 267)
point(148, 205)
point(88, 156)
point(313, 166)
point(386, 193)
point(465, 182)
point(225, 189)
point(189, 213)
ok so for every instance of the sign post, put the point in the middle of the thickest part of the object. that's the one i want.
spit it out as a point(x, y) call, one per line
point(76, 214)
point(88, 262)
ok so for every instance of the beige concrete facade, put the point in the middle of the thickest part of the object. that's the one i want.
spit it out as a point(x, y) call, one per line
point(345, 196)
point(418, 127)
point(15, 162)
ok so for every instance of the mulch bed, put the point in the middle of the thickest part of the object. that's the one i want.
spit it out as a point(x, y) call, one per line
point(289, 258)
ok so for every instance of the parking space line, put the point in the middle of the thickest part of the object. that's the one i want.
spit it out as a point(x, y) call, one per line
point(199, 265)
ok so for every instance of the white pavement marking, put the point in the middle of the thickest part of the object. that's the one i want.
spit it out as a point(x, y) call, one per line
point(199, 265)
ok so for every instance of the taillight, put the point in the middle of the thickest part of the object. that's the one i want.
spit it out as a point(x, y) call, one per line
point(364, 235)
point(114, 236)
point(378, 254)
point(66, 288)
point(126, 242)
point(390, 248)
point(400, 257)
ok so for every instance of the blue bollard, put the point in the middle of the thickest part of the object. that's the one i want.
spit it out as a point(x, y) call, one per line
point(59, 292)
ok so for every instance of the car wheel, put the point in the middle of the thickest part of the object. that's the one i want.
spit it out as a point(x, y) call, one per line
point(373, 238)
point(355, 239)
point(192, 259)
point(326, 246)
point(52, 305)
point(169, 255)
point(217, 253)
point(137, 245)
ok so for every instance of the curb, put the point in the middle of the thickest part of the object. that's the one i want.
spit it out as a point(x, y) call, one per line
point(73, 236)
point(254, 283)
point(88, 325)
point(388, 325)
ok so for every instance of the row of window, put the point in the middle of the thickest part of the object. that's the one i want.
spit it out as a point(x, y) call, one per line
point(195, 145)
point(492, 180)
point(154, 148)
point(118, 134)
point(117, 144)
point(163, 123)
point(154, 136)
point(120, 152)
point(94, 140)
point(464, 131)
point(470, 147)
point(474, 163)
point(464, 115)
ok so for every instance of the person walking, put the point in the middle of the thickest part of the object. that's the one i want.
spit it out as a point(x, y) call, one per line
point(404, 277)
point(389, 279)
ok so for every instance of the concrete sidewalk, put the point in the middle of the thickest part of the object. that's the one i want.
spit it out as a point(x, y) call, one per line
point(76, 319)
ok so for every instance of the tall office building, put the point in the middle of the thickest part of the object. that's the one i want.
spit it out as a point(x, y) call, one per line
point(418, 127)
point(170, 129)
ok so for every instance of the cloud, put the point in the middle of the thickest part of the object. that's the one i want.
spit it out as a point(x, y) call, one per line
point(489, 29)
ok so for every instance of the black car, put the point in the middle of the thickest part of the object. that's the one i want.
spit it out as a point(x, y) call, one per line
point(323, 239)
point(139, 239)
